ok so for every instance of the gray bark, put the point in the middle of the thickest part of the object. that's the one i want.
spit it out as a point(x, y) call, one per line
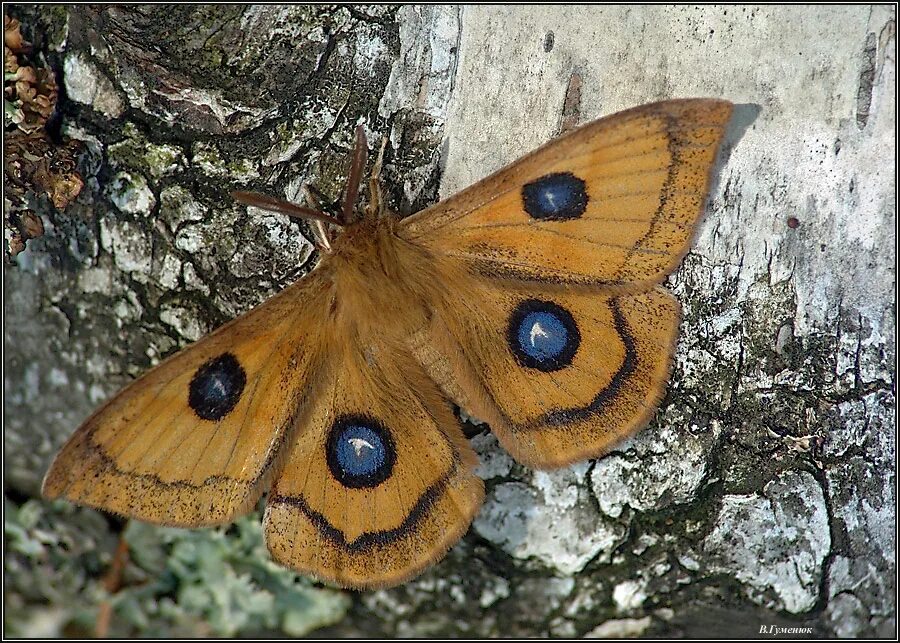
point(763, 492)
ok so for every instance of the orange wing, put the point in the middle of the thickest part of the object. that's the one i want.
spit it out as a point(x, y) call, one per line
point(379, 483)
point(194, 441)
point(560, 375)
point(554, 329)
point(613, 203)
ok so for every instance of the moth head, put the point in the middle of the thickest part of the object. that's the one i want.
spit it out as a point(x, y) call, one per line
point(324, 224)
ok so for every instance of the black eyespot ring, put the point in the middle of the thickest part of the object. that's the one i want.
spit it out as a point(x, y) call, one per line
point(216, 387)
point(542, 335)
point(555, 197)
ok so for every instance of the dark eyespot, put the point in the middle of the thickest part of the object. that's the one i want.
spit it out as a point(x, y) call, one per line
point(360, 452)
point(555, 197)
point(216, 387)
point(543, 335)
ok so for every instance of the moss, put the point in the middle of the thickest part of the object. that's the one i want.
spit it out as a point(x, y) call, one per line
point(55, 25)
point(46, 26)
point(768, 308)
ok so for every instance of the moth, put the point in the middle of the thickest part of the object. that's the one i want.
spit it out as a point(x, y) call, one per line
point(532, 299)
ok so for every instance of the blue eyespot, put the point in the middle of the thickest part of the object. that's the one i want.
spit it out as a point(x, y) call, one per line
point(216, 387)
point(360, 452)
point(543, 335)
point(555, 197)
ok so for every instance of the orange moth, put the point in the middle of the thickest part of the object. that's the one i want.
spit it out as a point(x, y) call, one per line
point(532, 299)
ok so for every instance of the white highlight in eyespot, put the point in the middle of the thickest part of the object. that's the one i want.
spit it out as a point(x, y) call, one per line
point(551, 198)
point(217, 385)
point(537, 331)
point(359, 444)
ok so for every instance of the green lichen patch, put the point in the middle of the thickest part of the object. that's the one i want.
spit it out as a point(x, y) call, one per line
point(177, 583)
point(209, 160)
point(54, 555)
point(135, 152)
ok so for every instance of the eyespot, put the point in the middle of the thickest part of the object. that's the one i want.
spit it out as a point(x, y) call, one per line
point(555, 197)
point(216, 387)
point(360, 452)
point(543, 335)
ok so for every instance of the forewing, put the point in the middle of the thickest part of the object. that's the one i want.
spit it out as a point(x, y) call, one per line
point(193, 441)
point(613, 203)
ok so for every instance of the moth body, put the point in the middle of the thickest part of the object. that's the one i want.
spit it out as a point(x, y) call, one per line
point(380, 283)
